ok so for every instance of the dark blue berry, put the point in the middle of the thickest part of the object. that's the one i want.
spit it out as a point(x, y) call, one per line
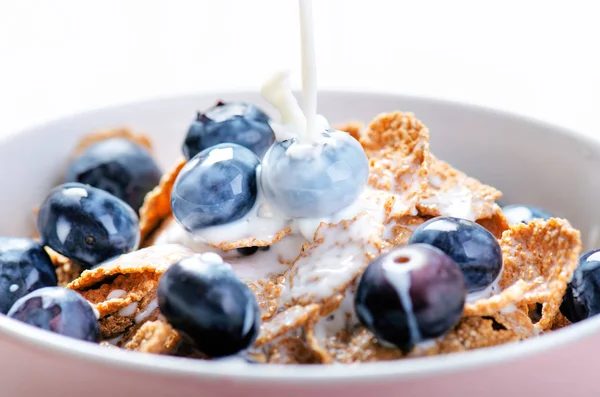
point(202, 298)
point(582, 298)
point(58, 310)
point(24, 267)
point(87, 224)
point(216, 187)
point(119, 166)
point(524, 213)
point(471, 246)
point(233, 122)
point(301, 181)
point(410, 294)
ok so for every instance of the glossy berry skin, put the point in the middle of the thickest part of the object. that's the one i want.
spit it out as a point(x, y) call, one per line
point(582, 298)
point(216, 187)
point(203, 299)
point(470, 245)
point(232, 122)
point(24, 267)
point(87, 224)
point(119, 166)
point(410, 294)
point(304, 181)
point(59, 310)
point(524, 213)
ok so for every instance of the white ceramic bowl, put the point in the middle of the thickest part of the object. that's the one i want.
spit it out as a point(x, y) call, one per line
point(530, 162)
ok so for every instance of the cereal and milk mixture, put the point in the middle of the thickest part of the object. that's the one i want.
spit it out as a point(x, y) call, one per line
point(304, 275)
point(290, 241)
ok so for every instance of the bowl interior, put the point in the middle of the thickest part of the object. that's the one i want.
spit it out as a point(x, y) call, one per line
point(529, 161)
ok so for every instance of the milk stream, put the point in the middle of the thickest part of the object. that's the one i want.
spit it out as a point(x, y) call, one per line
point(309, 70)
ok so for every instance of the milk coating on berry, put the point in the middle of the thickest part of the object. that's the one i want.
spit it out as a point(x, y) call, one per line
point(399, 276)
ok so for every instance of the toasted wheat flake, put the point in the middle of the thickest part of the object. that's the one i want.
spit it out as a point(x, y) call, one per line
point(453, 193)
point(397, 145)
point(157, 203)
point(289, 319)
point(156, 337)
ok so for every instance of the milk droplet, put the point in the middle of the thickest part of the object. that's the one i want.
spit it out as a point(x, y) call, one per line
point(128, 310)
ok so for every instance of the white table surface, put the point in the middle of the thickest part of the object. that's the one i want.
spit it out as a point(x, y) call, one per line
point(538, 58)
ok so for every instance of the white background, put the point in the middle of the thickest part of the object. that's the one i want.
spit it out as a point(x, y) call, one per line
point(539, 58)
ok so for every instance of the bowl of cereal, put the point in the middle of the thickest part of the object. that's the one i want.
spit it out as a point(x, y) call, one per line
point(179, 246)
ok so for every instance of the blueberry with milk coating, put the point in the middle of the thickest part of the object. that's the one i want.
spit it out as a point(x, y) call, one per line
point(410, 294)
point(314, 179)
point(87, 224)
point(582, 297)
point(516, 213)
point(470, 245)
point(24, 267)
point(118, 166)
point(231, 122)
point(58, 310)
point(216, 187)
point(202, 298)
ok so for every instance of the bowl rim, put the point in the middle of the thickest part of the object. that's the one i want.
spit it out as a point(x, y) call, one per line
point(214, 371)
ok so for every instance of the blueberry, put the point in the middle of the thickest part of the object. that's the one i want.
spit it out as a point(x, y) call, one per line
point(202, 298)
point(58, 310)
point(303, 181)
point(582, 298)
point(119, 166)
point(24, 267)
point(410, 294)
point(87, 224)
point(233, 122)
point(524, 213)
point(469, 244)
point(216, 187)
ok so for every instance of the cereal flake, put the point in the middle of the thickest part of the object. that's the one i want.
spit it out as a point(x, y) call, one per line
point(66, 269)
point(360, 345)
point(156, 337)
point(267, 294)
point(353, 128)
point(155, 259)
point(397, 145)
point(449, 192)
point(285, 321)
point(157, 203)
point(327, 267)
point(496, 224)
point(539, 260)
